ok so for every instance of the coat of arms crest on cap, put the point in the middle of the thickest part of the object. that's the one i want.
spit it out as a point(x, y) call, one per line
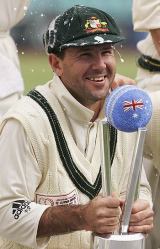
point(94, 24)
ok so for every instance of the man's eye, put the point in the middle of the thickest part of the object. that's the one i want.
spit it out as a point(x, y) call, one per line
point(107, 52)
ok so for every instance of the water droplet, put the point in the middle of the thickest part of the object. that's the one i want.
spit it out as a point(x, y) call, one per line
point(22, 52)
point(15, 8)
point(32, 70)
point(25, 7)
point(121, 59)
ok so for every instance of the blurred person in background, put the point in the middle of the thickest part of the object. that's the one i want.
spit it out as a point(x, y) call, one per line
point(51, 179)
point(146, 18)
point(11, 82)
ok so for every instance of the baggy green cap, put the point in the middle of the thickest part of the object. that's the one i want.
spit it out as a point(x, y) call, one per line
point(81, 26)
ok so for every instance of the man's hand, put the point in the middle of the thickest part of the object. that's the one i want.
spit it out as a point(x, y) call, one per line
point(102, 214)
point(121, 80)
point(141, 217)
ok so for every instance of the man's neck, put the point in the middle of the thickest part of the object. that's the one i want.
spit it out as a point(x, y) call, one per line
point(97, 107)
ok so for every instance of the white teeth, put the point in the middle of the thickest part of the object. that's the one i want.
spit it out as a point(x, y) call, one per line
point(96, 78)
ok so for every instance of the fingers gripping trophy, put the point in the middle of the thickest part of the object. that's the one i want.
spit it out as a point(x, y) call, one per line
point(128, 109)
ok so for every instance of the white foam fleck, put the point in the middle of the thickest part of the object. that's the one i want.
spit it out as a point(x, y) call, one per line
point(52, 24)
point(83, 43)
point(99, 39)
point(50, 29)
point(25, 7)
point(66, 21)
point(109, 41)
point(70, 44)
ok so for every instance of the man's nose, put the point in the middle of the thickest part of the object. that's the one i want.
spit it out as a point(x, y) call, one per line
point(98, 62)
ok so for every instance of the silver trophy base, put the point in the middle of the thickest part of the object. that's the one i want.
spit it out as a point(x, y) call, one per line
point(128, 241)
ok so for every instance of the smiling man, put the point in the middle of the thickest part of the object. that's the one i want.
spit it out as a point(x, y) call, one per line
point(87, 73)
point(51, 179)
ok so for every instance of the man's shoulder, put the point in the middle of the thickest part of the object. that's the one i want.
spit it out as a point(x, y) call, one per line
point(29, 111)
point(24, 106)
point(26, 110)
point(27, 105)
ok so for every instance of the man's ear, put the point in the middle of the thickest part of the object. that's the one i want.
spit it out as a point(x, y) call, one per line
point(56, 64)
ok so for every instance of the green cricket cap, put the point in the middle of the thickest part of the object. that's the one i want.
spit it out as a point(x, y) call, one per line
point(81, 26)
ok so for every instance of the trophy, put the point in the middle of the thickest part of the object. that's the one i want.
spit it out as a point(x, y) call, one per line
point(128, 109)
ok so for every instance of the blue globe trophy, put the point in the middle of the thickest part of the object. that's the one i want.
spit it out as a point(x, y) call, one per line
point(128, 109)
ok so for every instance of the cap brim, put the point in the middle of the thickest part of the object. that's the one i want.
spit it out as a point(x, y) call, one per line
point(94, 40)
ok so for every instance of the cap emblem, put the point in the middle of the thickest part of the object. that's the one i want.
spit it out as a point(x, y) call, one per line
point(93, 25)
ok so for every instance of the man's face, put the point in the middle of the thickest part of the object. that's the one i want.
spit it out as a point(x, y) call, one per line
point(87, 72)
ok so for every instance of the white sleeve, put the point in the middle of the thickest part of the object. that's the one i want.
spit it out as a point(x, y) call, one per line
point(19, 178)
point(11, 82)
point(12, 11)
point(146, 14)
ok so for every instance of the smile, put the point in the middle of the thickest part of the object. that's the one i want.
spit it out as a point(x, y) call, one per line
point(97, 79)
